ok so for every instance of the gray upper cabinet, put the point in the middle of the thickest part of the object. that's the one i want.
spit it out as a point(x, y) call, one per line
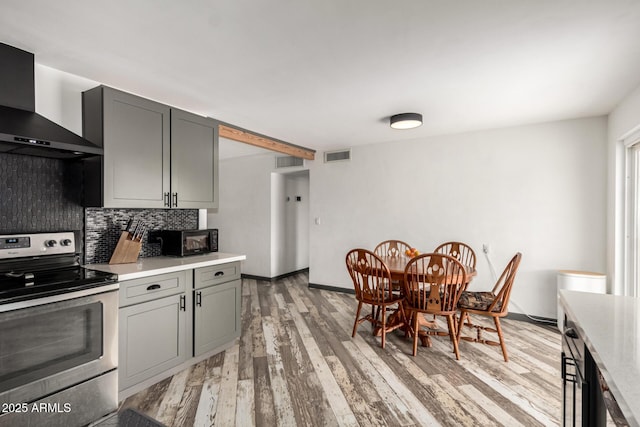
point(154, 156)
point(194, 161)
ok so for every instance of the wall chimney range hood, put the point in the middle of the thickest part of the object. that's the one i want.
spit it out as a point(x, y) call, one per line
point(22, 130)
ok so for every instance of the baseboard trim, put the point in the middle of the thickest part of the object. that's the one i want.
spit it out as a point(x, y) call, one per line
point(332, 288)
point(271, 279)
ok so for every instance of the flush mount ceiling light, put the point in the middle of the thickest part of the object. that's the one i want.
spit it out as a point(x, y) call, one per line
point(406, 120)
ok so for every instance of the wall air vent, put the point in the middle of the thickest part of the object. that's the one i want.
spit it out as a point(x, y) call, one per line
point(288, 161)
point(337, 156)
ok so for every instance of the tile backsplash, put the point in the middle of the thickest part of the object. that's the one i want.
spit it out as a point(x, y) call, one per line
point(39, 194)
point(104, 226)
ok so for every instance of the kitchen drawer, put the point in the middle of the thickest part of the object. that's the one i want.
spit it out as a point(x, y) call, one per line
point(151, 288)
point(216, 274)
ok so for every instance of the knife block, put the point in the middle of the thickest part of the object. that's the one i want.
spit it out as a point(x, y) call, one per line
point(127, 250)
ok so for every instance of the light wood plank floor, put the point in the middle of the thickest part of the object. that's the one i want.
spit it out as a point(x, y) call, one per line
point(297, 365)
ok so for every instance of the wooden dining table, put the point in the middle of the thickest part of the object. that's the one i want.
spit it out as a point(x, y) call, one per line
point(396, 266)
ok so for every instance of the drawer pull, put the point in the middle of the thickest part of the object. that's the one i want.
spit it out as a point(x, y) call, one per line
point(153, 287)
point(219, 273)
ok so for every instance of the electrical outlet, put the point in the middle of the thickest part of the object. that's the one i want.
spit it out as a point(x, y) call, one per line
point(485, 248)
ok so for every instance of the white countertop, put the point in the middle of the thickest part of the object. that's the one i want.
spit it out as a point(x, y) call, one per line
point(152, 266)
point(610, 327)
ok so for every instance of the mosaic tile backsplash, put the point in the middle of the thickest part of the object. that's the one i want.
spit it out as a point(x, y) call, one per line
point(104, 226)
point(39, 194)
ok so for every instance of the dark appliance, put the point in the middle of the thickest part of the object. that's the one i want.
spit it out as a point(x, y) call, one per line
point(188, 242)
point(574, 386)
point(582, 401)
point(58, 334)
point(22, 130)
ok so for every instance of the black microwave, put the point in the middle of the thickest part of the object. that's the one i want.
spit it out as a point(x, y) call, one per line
point(189, 242)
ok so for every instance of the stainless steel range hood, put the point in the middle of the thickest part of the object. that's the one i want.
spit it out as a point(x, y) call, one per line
point(22, 130)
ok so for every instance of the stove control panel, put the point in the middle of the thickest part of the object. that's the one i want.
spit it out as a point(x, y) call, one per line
point(14, 242)
point(36, 244)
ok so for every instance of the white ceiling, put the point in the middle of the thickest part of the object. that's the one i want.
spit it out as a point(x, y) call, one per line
point(327, 74)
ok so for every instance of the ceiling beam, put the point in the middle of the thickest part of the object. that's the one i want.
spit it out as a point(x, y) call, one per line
point(241, 135)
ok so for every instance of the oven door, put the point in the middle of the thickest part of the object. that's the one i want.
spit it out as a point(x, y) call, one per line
point(49, 344)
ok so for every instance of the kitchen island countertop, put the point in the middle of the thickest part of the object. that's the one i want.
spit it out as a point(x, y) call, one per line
point(610, 327)
point(152, 266)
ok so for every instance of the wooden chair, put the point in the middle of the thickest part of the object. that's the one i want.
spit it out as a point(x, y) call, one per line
point(460, 251)
point(372, 283)
point(493, 304)
point(391, 248)
point(433, 284)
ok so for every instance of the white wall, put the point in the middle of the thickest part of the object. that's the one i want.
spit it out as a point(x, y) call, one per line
point(244, 216)
point(536, 189)
point(278, 224)
point(59, 96)
point(289, 222)
point(255, 219)
point(623, 119)
point(295, 222)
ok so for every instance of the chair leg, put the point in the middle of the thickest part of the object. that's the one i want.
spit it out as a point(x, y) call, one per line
point(375, 313)
point(467, 318)
point(403, 316)
point(452, 328)
point(502, 344)
point(416, 332)
point(406, 316)
point(384, 324)
point(460, 325)
point(355, 324)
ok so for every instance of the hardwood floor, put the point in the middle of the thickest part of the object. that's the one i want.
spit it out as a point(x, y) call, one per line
point(297, 365)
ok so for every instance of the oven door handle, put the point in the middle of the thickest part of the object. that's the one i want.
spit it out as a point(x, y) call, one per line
point(61, 297)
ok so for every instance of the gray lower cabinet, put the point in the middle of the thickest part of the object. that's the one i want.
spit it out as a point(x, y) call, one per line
point(153, 328)
point(216, 309)
point(169, 319)
point(155, 156)
point(216, 319)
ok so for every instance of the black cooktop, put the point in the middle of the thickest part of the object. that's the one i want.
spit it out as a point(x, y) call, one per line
point(26, 285)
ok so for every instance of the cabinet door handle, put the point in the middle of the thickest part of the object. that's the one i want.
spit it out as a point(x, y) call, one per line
point(199, 299)
point(219, 273)
point(183, 303)
point(153, 287)
point(175, 200)
point(167, 200)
